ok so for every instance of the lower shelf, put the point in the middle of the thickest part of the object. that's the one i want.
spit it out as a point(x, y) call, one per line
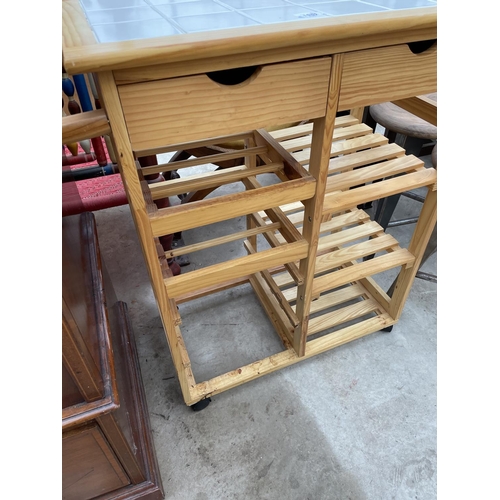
point(316, 300)
point(348, 303)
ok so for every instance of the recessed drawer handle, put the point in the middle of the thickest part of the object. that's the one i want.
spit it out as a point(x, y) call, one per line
point(235, 76)
point(421, 46)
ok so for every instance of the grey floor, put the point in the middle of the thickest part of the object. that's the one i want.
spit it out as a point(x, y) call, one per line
point(357, 422)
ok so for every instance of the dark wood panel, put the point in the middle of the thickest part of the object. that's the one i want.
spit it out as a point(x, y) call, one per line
point(89, 465)
point(108, 450)
point(70, 392)
point(78, 268)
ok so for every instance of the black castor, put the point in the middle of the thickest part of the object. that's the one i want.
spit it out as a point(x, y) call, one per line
point(388, 329)
point(201, 405)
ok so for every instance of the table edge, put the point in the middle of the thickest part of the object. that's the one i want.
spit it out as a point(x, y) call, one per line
point(83, 54)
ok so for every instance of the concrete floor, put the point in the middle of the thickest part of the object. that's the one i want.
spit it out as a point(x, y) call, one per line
point(357, 422)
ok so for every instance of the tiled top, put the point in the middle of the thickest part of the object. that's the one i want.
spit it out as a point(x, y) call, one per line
point(119, 20)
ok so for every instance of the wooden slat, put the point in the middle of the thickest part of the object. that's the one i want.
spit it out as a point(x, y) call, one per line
point(209, 290)
point(362, 270)
point(185, 283)
point(340, 257)
point(346, 147)
point(274, 290)
point(338, 222)
point(365, 157)
point(276, 315)
point(420, 106)
point(343, 255)
point(195, 247)
point(348, 334)
point(85, 125)
point(209, 179)
point(203, 160)
point(348, 235)
point(200, 213)
point(375, 291)
point(336, 298)
point(353, 178)
point(274, 241)
point(332, 299)
point(287, 208)
point(293, 168)
point(298, 130)
point(343, 315)
point(182, 146)
point(338, 201)
point(339, 134)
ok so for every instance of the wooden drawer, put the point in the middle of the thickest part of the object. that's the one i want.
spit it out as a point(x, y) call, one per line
point(196, 107)
point(386, 74)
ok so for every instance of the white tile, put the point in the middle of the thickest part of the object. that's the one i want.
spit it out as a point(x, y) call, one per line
point(210, 22)
point(161, 2)
point(108, 16)
point(134, 30)
point(344, 8)
point(111, 4)
point(199, 7)
point(402, 4)
point(282, 14)
point(253, 4)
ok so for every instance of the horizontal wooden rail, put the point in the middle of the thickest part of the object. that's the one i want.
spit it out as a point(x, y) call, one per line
point(367, 268)
point(365, 157)
point(420, 106)
point(185, 146)
point(84, 126)
point(200, 213)
point(195, 247)
point(213, 179)
point(381, 170)
point(242, 266)
point(347, 146)
point(203, 160)
point(347, 313)
point(340, 257)
point(337, 201)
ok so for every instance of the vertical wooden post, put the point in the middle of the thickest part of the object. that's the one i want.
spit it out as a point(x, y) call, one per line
point(251, 162)
point(418, 243)
point(318, 168)
point(123, 149)
point(357, 113)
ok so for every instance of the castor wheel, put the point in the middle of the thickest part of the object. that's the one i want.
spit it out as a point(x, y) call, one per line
point(201, 405)
point(388, 329)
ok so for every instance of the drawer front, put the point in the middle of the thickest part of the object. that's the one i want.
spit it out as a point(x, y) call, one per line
point(386, 74)
point(196, 107)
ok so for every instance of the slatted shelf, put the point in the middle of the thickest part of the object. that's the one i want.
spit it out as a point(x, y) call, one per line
point(209, 180)
point(347, 303)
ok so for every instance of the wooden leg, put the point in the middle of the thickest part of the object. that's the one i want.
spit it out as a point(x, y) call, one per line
point(421, 236)
point(431, 249)
point(318, 167)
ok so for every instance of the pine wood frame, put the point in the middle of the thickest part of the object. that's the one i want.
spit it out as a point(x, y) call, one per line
point(319, 197)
